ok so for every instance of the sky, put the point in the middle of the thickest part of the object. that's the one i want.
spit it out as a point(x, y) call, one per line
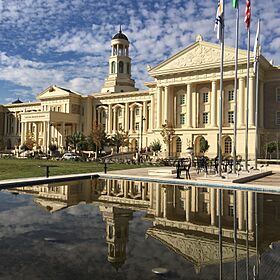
point(67, 42)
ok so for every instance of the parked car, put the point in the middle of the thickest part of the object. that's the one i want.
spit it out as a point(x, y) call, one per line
point(71, 156)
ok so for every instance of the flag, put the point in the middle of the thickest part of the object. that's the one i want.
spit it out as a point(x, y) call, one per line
point(247, 18)
point(235, 4)
point(219, 22)
point(257, 47)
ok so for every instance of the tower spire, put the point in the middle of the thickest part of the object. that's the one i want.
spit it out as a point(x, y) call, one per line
point(120, 28)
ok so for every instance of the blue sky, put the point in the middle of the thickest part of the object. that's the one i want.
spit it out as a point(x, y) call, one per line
point(67, 42)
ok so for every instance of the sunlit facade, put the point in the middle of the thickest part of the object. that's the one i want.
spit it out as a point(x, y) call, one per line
point(185, 92)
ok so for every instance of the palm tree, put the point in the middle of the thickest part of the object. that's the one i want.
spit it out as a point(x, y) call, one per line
point(76, 141)
point(120, 139)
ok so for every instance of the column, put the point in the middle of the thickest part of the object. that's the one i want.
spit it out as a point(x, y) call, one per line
point(62, 134)
point(125, 190)
point(213, 205)
point(158, 200)
point(36, 133)
point(164, 202)
point(150, 186)
point(251, 102)
point(166, 104)
point(15, 124)
point(114, 120)
point(240, 99)
point(189, 106)
point(45, 139)
point(159, 92)
point(109, 116)
point(131, 119)
point(261, 104)
point(188, 205)
point(22, 133)
point(240, 209)
point(123, 117)
point(151, 116)
point(193, 201)
point(194, 108)
point(145, 116)
point(213, 108)
point(250, 211)
point(126, 128)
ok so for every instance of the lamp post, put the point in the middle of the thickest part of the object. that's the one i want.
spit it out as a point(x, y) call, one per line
point(141, 133)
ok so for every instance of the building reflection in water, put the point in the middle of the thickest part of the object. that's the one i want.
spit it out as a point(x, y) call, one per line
point(185, 219)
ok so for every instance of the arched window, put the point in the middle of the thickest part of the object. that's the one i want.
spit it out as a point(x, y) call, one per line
point(120, 50)
point(128, 68)
point(178, 145)
point(115, 50)
point(113, 67)
point(120, 67)
point(228, 145)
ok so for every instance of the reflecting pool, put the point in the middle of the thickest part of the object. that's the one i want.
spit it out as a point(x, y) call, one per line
point(113, 229)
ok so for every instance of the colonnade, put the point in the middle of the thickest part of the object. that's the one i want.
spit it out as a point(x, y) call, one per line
point(123, 116)
point(45, 133)
point(164, 102)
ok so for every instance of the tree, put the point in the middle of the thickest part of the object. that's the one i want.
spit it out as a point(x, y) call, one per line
point(77, 141)
point(97, 139)
point(203, 144)
point(270, 148)
point(155, 146)
point(120, 139)
point(168, 134)
point(29, 142)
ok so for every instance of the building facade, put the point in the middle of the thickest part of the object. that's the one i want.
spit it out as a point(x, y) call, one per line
point(184, 92)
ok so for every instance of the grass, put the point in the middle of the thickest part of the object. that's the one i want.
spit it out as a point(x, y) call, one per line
point(26, 168)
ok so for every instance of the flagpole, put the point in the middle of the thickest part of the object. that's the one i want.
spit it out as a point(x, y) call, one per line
point(247, 99)
point(221, 93)
point(235, 88)
point(257, 105)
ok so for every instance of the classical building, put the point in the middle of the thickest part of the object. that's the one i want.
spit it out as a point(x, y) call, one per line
point(185, 93)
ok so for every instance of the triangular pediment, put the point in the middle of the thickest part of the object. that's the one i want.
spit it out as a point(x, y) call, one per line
point(55, 92)
point(198, 250)
point(200, 55)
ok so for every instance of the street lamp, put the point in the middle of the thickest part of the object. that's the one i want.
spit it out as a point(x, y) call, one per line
point(141, 133)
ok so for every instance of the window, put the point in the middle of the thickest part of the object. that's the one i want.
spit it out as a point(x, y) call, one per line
point(113, 67)
point(137, 111)
point(204, 190)
point(119, 112)
point(128, 68)
point(205, 97)
point(228, 145)
point(278, 94)
point(115, 50)
point(137, 126)
point(120, 49)
point(178, 145)
point(230, 117)
point(182, 118)
point(120, 126)
point(230, 210)
point(205, 207)
point(277, 118)
point(104, 114)
point(182, 99)
point(121, 67)
point(230, 95)
point(205, 118)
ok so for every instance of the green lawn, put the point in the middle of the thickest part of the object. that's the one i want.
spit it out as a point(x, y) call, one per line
point(24, 168)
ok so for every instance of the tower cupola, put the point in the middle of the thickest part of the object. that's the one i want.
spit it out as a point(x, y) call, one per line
point(119, 76)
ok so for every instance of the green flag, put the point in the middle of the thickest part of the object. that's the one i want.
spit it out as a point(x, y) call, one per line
point(235, 4)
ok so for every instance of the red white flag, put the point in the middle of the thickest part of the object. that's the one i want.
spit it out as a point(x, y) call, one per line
point(247, 18)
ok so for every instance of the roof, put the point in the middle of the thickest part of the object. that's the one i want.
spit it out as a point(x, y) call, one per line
point(120, 35)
